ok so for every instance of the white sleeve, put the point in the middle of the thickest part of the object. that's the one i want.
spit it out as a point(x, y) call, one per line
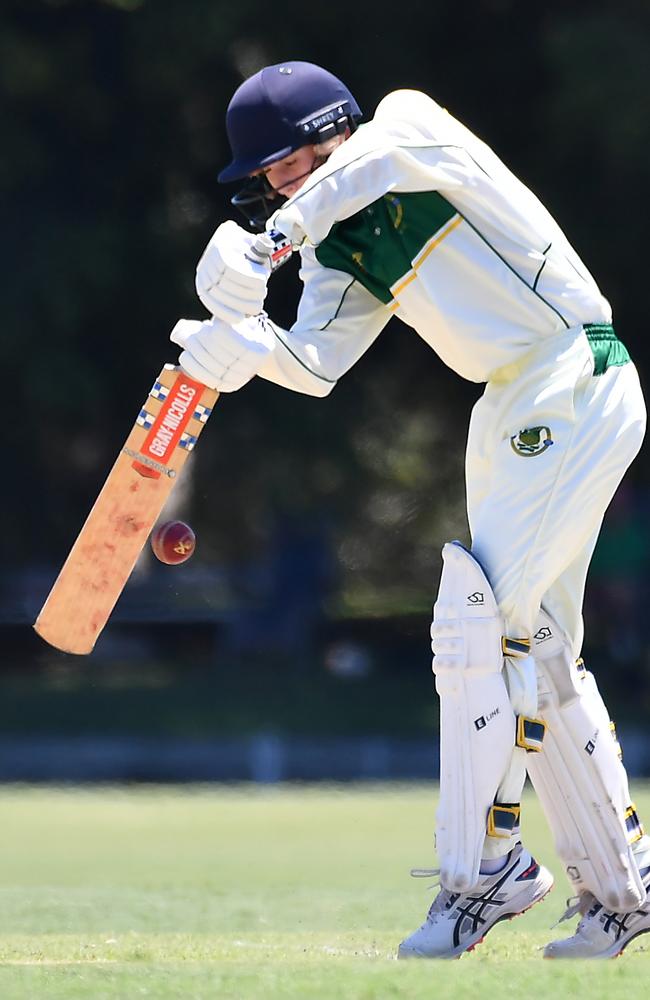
point(338, 320)
point(408, 147)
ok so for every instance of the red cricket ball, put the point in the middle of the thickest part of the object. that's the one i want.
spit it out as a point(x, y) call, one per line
point(173, 542)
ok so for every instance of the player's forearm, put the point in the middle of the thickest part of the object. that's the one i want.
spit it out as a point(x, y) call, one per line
point(333, 196)
point(301, 372)
point(340, 189)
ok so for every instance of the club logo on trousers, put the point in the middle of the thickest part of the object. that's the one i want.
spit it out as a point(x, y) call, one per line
point(531, 441)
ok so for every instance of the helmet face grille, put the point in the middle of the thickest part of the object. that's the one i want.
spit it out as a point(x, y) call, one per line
point(257, 201)
point(281, 108)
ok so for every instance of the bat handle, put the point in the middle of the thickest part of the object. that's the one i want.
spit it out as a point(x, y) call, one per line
point(273, 247)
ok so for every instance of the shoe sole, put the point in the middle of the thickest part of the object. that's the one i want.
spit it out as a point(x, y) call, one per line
point(459, 952)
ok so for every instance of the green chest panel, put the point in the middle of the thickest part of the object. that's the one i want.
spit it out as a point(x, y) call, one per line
point(378, 245)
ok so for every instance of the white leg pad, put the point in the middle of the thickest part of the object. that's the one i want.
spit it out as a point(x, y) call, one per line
point(579, 777)
point(477, 722)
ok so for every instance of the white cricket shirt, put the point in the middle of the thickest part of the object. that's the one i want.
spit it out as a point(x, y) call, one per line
point(414, 216)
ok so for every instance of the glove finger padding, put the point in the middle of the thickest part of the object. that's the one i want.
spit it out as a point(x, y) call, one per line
point(221, 356)
point(228, 381)
point(216, 273)
point(232, 308)
point(226, 274)
point(183, 329)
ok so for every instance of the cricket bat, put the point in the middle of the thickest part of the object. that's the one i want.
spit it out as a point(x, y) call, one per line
point(105, 552)
point(103, 556)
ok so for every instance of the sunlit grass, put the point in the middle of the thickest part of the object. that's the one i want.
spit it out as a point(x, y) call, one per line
point(253, 892)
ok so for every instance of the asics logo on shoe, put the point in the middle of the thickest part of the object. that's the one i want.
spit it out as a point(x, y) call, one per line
point(616, 924)
point(602, 933)
point(457, 922)
point(471, 915)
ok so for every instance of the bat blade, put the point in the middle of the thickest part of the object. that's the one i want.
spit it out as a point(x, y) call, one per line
point(106, 550)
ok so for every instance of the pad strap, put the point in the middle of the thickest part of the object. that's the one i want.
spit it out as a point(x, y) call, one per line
point(515, 647)
point(530, 734)
point(503, 818)
point(633, 824)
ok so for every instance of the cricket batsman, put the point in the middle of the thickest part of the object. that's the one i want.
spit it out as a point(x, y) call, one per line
point(411, 215)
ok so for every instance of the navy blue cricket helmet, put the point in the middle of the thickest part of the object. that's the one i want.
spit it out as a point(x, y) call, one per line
point(274, 112)
point(281, 108)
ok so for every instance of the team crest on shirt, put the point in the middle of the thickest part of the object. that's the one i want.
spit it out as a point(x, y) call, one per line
point(395, 209)
point(531, 441)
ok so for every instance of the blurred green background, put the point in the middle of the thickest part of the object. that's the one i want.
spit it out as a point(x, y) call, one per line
point(300, 627)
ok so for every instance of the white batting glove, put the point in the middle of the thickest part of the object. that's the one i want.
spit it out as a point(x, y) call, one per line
point(220, 356)
point(230, 282)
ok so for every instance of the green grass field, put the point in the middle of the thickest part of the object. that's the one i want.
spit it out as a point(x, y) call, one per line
point(255, 892)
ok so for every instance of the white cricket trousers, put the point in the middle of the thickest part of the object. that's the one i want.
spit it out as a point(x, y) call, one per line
point(535, 513)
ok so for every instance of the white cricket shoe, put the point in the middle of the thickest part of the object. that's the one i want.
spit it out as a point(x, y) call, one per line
point(601, 933)
point(457, 922)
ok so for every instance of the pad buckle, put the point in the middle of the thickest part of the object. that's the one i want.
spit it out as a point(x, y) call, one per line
point(502, 820)
point(530, 734)
point(633, 824)
point(515, 647)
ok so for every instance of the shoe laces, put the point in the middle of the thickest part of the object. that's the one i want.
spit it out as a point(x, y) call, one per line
point(444, 899)
point(577, 904)
point(433, 873)
point(426, 873)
